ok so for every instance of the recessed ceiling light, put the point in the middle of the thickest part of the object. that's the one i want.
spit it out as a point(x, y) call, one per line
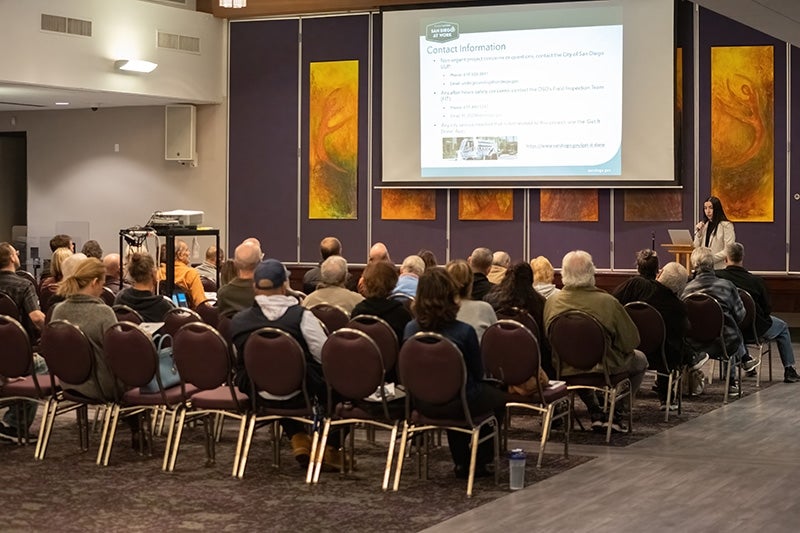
point(62, 103)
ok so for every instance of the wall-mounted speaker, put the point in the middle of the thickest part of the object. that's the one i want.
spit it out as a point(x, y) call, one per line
point(179, 139)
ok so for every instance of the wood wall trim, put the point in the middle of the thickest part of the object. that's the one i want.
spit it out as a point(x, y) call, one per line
point(264, 8)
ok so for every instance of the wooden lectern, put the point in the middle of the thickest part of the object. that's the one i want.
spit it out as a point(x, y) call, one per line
point(682, 253)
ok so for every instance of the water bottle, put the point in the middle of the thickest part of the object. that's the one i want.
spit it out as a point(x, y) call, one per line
point(516, 469)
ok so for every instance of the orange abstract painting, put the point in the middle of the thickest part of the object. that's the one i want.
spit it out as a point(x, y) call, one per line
point(742, 131)
point(569, 205)
point(651, 205)
point(486, 204)
point(333, 140)
point(402, 204)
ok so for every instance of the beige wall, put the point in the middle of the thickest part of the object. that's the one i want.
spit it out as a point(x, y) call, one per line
point(74, 174)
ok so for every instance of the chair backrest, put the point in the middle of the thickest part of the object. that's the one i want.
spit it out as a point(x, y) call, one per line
point(127, 314)
point(382, 333)
point(578, 340)
point(201, 356)
point(176, 318)
point(8, 306)
point(68, 352)
point(706, 318)
point(275, 362)
point(108, 296)
point(45, 295)
point(30, 277)
point(652, 333)
point(510, 352)
point(224, 328)
point(432, 369)
point(352, 363)
point(130, 353)
point(16, 358)
point(333, 316)
point(748, 324)
point(209, 285)
point(406, 300)
point(522, 316)
point(209, 312)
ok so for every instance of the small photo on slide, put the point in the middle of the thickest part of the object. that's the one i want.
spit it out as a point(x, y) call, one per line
point(482, 148)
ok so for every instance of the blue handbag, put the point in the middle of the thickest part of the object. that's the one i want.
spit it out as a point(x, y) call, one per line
point(166, 367)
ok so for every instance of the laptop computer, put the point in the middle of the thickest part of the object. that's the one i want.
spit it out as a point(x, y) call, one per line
point(680, 236)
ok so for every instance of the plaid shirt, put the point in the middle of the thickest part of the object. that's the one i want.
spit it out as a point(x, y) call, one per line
point(23, 293)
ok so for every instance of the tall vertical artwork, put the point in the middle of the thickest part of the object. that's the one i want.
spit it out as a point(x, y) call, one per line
point(742, 131)
point(408, 204)
point(569, 205)
point(486, 204)
point(333, 140)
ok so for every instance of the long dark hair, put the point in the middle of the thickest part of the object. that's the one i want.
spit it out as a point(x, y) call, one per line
point(717, 217)
point(516, 290)
point(436, 305)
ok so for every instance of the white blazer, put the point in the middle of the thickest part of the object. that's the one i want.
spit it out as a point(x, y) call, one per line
point(724, 236)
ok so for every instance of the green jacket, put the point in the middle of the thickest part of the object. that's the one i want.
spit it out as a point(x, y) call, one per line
point(621, 332)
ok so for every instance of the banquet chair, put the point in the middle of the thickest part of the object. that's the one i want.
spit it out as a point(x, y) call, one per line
point(579, 341)
point(384, 336)
point(8, 306)
point(133, 359)
point(23, 386)
point(125, 313)
point(523, 317)
point(276, 364)
point(209, 285)
point(751, 339)
point(432, 369)
point(332, 316)
point(652, 338)
point(352, 365)
point(176, 318)
point(706, 326)
point(510, 353)
point(209, 312)
point(108, 296)
point(70, 359)
point(30, 277)
point(204, 361)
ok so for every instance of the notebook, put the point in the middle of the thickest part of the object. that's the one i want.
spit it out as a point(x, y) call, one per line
point(680, 236)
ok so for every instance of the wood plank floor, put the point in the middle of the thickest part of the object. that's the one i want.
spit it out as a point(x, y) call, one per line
point(734, 469)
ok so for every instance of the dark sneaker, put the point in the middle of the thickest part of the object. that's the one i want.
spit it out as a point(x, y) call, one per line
point(734, 388)
point(698, 360)
point(790, 375)
point(597, 422)
point(8, 434)
point(673, 407)
point(749, 364)
point(616, 426)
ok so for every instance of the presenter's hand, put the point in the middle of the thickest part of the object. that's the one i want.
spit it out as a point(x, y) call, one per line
point(699, 226)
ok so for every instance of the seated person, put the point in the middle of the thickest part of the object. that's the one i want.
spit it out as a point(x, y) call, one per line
point(327, 247)
point(412, 268)
point(111, 262)
point(543, 275)
point(500, 263)
point(480, 261)
point(643, 283)
point(476, 313)
point(379, 280)
point(331, 289)
point(143, 296)
point(92, 248)
point(49, 285)
point(187, 279)
point(208, 268)
point(239, 293)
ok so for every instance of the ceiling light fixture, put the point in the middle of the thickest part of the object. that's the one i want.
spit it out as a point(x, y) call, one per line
point(62, 103)
point(233, 3)
point(135, 65)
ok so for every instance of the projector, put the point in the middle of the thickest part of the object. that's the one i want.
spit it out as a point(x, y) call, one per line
point(179, 217)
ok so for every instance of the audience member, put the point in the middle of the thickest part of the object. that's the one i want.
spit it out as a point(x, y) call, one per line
point(643, 283)
point(208, 268)
point(58, 241)
point(580, 293)
point(767, 326)
point(543, 275)
point(143, 296)
point(476, 313)
point(112, 264)
point(186, 278)
point(379, 280)
point(327, 247)
point(331, 289)
point(273, 308)
point(92, 248)
point(500, 263)
point(436, 308)
point(239, 294)
point(428, 257)
point(49, 285)
point(480, 261)
point(727, 295)
point(228, 272)
point(412, 268)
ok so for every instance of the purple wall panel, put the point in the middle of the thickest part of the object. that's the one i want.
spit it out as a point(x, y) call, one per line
point(764, 241)
point(466, 235)
point(794, 181)
point(263, 136)
point(554, 239)
point(336, 39)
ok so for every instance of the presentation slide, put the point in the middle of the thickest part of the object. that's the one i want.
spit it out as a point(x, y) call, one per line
point(537, 102)
point(530, 95)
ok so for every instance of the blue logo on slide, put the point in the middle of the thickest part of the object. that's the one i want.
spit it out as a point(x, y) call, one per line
point(441, 32)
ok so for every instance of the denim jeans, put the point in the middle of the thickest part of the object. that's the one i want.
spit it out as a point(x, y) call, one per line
point(779, 332)
point(11, 418)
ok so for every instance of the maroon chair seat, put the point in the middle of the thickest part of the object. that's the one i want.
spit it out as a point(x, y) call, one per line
point(220, 398)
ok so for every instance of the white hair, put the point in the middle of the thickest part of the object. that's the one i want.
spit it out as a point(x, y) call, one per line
point(577, 269)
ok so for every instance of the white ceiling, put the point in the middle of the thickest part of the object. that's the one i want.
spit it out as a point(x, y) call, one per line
point(778, 18)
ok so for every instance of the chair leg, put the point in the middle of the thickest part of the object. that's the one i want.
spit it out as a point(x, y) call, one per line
point(472, 458)
point(172, 453)
point(37, 453)
point(727, 380)
point(547, 420)
point(317, 460)
point(400, 456)
point(611, 409)
point(112, 430)
point(248, 439)
point(239, 441)
point(387, 472)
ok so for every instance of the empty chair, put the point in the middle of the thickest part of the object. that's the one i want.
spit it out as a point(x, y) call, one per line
point(127, 314)
point(579, 341)
point(204, 361)
point(332, 316)
point(432, 369)
point(353, 367)
point(511, 354)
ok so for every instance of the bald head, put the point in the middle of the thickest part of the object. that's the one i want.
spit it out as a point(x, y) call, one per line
point(379, 252)
point(111, 262)
point(501, 258)
point(246, 257)
point(329, 246)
